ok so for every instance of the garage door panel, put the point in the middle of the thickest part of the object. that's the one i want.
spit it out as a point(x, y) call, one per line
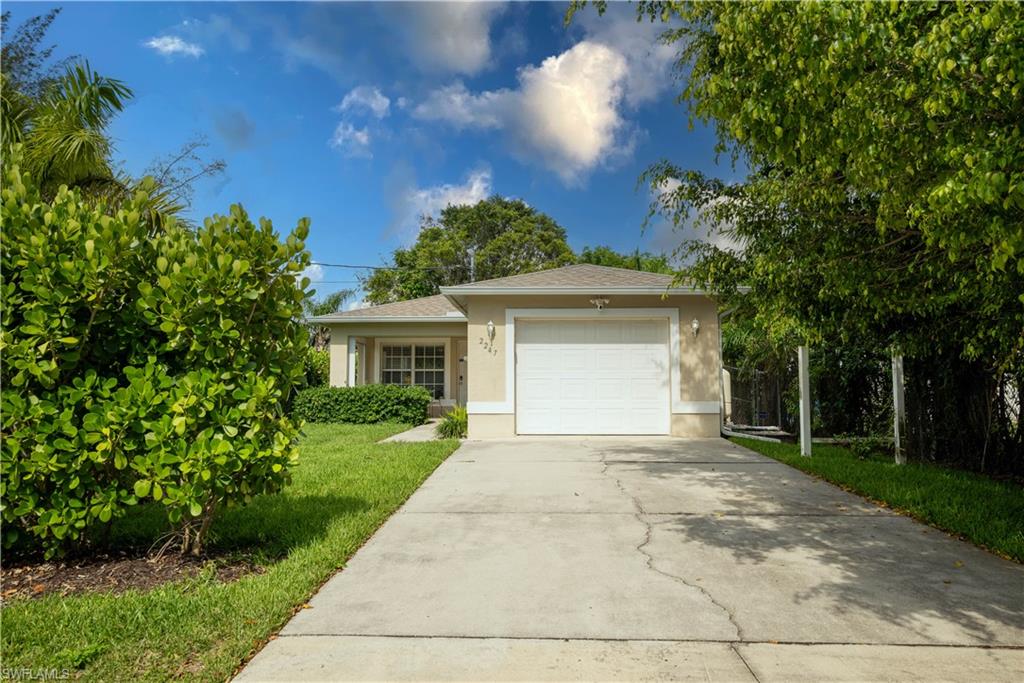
point(609, 389)
point(592, 377)
point(613, 357)
point(538, 389)
point(570, 359)
point(542, 421)
point(575, 420)
point(572, 390)
point(647, 331)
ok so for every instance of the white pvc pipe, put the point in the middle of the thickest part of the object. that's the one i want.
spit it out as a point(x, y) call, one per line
point(805, 400)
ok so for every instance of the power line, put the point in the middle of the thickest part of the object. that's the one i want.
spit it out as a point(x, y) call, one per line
point(354, 267)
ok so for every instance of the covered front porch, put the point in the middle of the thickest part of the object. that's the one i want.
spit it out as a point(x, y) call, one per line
point(431, 356)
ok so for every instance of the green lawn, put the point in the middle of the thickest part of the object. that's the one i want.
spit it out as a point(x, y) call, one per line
point(344, 488)
point(987, 512)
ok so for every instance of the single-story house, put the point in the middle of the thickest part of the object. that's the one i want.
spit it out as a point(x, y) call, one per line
point(582, 349)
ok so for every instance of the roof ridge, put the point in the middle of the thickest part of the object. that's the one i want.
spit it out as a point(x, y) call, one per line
point(549, 273)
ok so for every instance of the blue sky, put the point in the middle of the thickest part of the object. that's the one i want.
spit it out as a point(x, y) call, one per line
point(364, 116)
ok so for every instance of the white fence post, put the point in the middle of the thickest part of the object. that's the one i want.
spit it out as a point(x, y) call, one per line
point(805, 401)
point(899, 409)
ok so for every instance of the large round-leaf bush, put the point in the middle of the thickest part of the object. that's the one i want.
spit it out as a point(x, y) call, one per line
point(141, 364)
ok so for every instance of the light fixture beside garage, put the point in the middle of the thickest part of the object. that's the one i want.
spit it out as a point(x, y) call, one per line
point(599, 303)
point(490, 330)
point(695, 326)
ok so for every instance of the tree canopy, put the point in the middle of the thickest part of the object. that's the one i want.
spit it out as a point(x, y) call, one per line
point(884, 204)
point(496, 237)
point(895, 209)
point(638, 260)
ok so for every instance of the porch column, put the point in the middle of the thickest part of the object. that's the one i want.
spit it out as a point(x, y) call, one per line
point(350, 377)
point(805, 401)
point(339, 356)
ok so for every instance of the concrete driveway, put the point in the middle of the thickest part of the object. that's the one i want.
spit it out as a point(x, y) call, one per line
point(651, 558)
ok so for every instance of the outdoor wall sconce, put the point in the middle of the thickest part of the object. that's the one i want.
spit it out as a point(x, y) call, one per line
point(599, 303)
point(695, 326)
point(490, 330)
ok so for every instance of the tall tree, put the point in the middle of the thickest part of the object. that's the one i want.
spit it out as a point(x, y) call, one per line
point(886, 197)
point(638, 260)
point(493, 238)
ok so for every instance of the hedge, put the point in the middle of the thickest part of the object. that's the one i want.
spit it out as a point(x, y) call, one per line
point(363, 404)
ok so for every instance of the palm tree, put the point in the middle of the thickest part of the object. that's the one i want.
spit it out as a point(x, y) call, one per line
point(63, 131)
point(63, 141)
point(320, 337)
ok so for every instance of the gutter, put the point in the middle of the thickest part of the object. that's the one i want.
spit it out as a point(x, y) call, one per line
point(459, 290)
point(326, 319)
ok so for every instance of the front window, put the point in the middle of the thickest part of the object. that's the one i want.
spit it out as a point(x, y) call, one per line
point(414, 364)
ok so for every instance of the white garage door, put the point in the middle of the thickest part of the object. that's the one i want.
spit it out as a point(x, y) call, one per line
point(592, 377)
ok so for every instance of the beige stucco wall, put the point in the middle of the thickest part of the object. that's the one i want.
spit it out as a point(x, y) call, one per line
point(491, 426)
point(705, 426)
point(698, 358)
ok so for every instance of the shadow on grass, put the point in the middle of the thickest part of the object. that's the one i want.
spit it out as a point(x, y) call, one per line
point(268, 528)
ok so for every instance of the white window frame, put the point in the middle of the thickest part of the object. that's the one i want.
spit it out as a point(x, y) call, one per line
point(381, 342)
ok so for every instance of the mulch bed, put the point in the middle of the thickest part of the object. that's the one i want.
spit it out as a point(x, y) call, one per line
point(112, 573)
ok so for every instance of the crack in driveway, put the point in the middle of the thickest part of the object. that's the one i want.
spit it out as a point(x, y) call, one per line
point(641, 516)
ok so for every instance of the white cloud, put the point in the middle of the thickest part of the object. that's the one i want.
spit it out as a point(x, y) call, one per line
point(357, 304)
point(411, 202)
point(351, 141)
point(648, 61)
point(314, 272)
point(365, 98)
point(564, 112)
point(453, 37)
point(456, 105)
point(431, 200)
point(173, 45)
point(569, 107)
point(569, 111)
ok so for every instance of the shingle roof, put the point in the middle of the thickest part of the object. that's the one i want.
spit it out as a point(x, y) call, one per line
point(584, 275)
point(437, 306)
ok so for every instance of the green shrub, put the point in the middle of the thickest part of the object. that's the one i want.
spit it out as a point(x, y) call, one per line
point(454, 425)
point(318, 367)
point(364, 404)
point(141, 364)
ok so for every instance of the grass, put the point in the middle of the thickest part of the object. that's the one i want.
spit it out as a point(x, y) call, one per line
point(986, 512)
point(344, 488)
